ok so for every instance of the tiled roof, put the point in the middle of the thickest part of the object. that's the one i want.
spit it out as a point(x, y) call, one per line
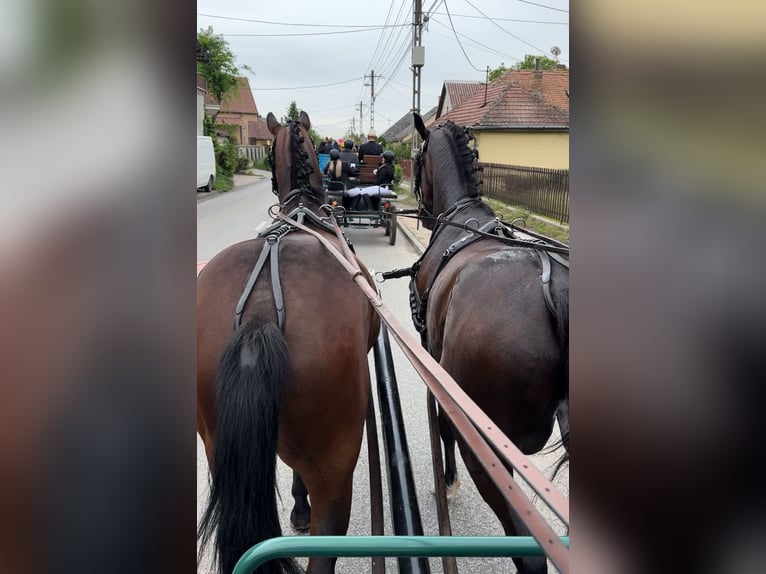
point(458, 92)
point(403, 126)
point(517, 99)
point(258, 129)
point(241, 101)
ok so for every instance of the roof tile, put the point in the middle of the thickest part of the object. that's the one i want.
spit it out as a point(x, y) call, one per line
point(518, 99)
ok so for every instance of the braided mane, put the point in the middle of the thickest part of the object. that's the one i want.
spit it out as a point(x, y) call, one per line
point(301, 168)
point(465, 156)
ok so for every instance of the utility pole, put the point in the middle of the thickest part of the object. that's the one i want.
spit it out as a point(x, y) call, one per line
point(361, 130)
point(353, 125)
point(418, 60)
point(372, 98)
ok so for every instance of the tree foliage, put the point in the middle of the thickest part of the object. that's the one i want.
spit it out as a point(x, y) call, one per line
point(497, 72)
point(291, 113)
point(218, 69)
point(528, 63)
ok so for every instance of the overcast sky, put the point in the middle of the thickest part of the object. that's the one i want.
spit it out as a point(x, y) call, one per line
point(341, 47)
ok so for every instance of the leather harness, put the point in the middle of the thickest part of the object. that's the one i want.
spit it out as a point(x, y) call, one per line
point(274, 234)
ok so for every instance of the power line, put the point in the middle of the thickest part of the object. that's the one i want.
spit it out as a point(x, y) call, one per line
point(297, 24)
point(307, 87)
point(386, 60)
point(486, 48)
point(503, 29)
point(378, 58)
point(458, 39)
point(544, 6)
point(307, 33)
point(383, 33)
point(504, 19)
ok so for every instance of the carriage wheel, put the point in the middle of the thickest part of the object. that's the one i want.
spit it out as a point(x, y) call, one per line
point(392, 224)
point(387, 225)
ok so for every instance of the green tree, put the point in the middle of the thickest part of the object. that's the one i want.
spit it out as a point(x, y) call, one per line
point(218, 69)
point(292, 112)
point(497, 72)
point(529, 63)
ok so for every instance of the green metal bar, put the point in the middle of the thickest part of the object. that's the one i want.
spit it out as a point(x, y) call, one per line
point(394, 546)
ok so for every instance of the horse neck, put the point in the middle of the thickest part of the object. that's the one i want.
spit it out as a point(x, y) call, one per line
point(314, 180)
point(450, 188)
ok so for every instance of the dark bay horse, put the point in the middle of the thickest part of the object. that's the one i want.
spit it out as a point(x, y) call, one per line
point(293, 382)
point(483, 315)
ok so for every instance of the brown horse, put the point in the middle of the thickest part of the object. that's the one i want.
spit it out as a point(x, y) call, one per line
point(483, 314)
point(292, 380)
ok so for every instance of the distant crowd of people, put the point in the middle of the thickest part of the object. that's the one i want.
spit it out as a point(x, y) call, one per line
point(346, 163)
point(346, 160)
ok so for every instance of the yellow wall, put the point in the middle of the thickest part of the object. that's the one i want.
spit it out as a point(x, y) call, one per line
point(534, 149)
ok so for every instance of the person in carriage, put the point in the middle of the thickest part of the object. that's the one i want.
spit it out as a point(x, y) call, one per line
point(368, 198)
point(349, 156)
point(372, 147)
point(339, 172)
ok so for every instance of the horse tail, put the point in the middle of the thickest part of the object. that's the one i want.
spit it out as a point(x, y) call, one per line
point(253, 374)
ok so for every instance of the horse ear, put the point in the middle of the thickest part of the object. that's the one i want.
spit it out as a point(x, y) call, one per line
point(421, 126)
point(274, 125)
point(304, 120)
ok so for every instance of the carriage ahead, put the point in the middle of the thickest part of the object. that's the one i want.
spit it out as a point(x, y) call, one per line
point(359, 200)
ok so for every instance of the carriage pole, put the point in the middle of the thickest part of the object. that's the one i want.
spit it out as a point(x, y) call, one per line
point(405, 513)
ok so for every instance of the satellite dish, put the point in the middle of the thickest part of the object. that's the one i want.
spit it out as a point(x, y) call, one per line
point(555, 50)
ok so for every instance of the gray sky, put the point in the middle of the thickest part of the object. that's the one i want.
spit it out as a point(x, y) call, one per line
point(350, 52)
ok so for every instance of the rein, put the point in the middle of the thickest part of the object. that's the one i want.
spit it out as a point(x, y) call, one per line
point(467, 417)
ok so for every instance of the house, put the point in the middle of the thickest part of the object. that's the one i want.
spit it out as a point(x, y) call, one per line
point(206, 104)
point(258, 133)
point(522, 118)
point(238, 109)
point(455, 93)
point(402, 130)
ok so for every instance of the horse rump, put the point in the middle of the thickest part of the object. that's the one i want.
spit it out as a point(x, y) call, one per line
point(253, 374)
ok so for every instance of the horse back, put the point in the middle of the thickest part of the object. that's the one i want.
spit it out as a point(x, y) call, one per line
point(329, 325)
point(490, 328)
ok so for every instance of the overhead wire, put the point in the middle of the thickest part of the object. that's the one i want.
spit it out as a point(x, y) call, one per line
point(296, 24)
point(364, 95)
point(520, 39)
point(476, 44)
point(544, 6)
point(458, 39)
point(307, 87)
point(306, 33)
point(503, 19)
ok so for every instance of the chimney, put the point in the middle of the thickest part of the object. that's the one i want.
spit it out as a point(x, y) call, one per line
point(537, 79)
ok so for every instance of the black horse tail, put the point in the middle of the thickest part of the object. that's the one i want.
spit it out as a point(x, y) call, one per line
point(252, 377)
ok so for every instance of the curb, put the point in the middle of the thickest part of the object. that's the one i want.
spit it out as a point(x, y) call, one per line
point(414, 241)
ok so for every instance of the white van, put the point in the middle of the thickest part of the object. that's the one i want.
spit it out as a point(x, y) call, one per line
point(205, 163)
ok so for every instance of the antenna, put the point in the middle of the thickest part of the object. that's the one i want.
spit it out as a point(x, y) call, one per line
point(555, 50)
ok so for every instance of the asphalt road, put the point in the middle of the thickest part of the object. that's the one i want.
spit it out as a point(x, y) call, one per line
point(234, 216)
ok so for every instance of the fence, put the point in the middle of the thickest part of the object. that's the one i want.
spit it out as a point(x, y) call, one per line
point(406, 168)
point(253, 152)
point(539, 190)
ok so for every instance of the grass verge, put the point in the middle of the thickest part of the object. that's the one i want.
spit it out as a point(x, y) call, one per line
point(531, 221)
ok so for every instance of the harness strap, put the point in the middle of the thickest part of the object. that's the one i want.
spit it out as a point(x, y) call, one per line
point(545, 277)
point(276, 285)
point(250, 284)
